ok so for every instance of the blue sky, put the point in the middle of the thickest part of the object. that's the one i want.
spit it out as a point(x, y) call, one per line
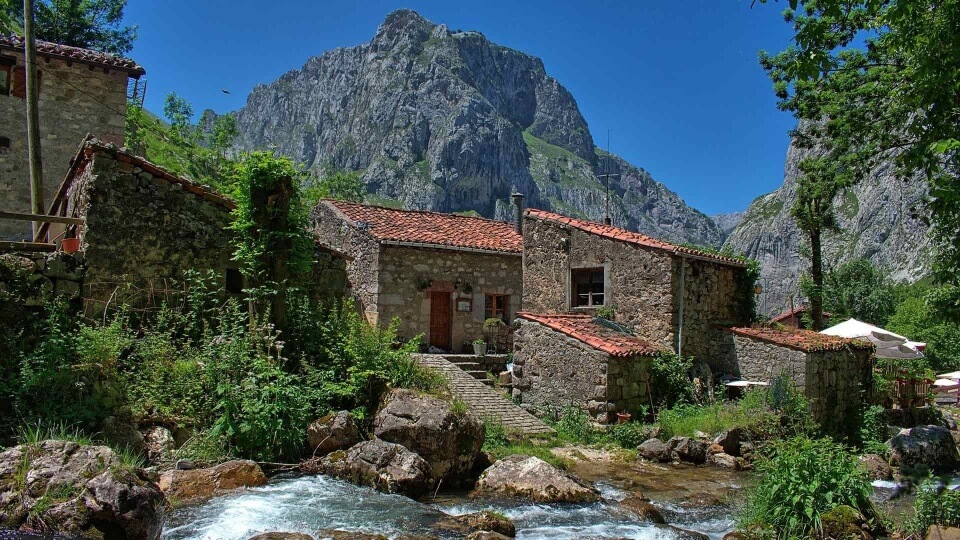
point(676, 83)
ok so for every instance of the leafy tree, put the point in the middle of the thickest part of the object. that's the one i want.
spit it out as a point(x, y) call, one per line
point(90, 24)
point(859, 289)
point(340, 185)
point(179, 112)
point(223, 133)
point(918, 318)
point(876, 80)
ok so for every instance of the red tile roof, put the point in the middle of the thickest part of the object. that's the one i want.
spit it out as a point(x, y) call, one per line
point(431, 228)
point(76, 54)
point(616, 233)
point(795, 312)
point(584, 328)
point(801, 340)
point(90, 145)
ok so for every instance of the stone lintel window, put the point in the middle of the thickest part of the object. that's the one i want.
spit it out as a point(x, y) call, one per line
point(6, 74)
point(587, 287)
point(18, 82)
point(497, 306)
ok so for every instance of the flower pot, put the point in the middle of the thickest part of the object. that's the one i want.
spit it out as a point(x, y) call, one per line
point(70, 245)
point(623, 417)
point(480, 349)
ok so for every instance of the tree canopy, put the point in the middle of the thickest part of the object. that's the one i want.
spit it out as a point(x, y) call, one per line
point(90, 24)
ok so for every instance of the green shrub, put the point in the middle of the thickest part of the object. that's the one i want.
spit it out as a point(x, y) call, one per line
point(574, 425)
point(799, 480)
point(935, 505)
point(670, 380)
point(873, 431)
point(629, 435)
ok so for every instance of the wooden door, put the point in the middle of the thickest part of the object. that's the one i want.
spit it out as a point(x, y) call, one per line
point(440, 320)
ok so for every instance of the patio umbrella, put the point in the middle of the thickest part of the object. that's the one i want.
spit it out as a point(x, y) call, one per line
point(955, 375)
point(888, 344)
point(945, 382)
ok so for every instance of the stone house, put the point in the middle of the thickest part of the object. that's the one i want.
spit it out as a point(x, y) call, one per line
point(144, 227)
point(836, 374)
point(562, 360)
point(81, 92)
point(440, 275)
point(671, 295)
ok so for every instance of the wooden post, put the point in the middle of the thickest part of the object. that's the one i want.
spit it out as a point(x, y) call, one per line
point(33, 115)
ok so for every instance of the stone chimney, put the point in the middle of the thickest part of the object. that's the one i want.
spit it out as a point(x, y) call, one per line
point(517, 212)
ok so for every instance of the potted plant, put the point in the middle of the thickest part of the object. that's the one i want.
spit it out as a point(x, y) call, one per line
point(479, 347)
point(623, 417)
point(70, 245)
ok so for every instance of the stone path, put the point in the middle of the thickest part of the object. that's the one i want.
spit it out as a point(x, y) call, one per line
point(484, 401)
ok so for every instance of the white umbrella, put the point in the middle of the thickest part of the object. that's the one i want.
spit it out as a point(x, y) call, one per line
point(945, 382)
point(888, 344)
point(955, 375)
point(745, 383)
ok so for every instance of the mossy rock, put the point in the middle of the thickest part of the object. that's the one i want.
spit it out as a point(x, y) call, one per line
point(844, 522)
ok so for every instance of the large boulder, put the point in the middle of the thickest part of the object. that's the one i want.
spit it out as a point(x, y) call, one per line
point(932, 446)
point(845, 522)
point(532, 478)
point(281, 536)
point(158, 444)
point(193, 485)
point(688, 450)
point(730, 441)
point(335, 431)
point(938, 532)
point(485, 521)
point(334, 534)
point(385, 466)
point(448, 438)
point(876, 467)
point(65, 487)
point(654, 450)
point(644, 509)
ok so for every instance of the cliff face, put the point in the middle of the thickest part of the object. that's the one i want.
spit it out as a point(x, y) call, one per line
point(880, 219)
point(446, 120)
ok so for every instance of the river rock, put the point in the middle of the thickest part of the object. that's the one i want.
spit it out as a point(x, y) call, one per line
point(385, 466)
point(938, 532)
point(688, 450)
point(844, 522)
point(654, 450)
point(683, 534)
point(932, 446)
point(122, 433)
point(65, 487)
point(181, 486)
point(532, 478)
point(158, 444)
point(281, 536)
point(448, 440)
point(730, 440)
point(487, 535)
point(876, 467)
point(722, 460)
point(333, 534)
point(644, 509)
point(335, 431)
point(485, 521)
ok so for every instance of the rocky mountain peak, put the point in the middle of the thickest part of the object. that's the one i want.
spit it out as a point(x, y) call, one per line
point(447, 120)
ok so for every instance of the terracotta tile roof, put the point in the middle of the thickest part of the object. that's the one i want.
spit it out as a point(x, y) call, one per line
point(801, 340)
point(76, 54)
point(616, 233)
point(431, 228)
point(90, 145)
point(795, 312)
point(584, 328)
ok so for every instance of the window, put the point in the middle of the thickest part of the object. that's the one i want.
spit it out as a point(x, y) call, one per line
point(497, 306)
point(234, 281)
point(4, 80)
point(588, 287)
point(18, 82)
point(4, 143)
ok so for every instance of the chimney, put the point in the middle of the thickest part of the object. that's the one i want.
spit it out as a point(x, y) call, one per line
point(518, 212)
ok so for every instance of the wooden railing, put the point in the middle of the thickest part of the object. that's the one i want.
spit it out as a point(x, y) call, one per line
point(41, 242)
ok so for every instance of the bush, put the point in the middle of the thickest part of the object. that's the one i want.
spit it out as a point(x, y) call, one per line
point(798, 481)
point(935, 505)
point(574, 425)
point(670, 380)
point(629, 435)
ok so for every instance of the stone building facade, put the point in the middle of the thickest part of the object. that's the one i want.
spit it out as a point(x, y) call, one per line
point(670, 295)
point(81, 92)
point(440, 275)
point(562, 360)
point(836, 374)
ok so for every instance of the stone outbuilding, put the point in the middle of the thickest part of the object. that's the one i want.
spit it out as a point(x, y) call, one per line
point(440, 275)
point(81, 91)
point(671, 295)
point(562, 360)
point(836, 374)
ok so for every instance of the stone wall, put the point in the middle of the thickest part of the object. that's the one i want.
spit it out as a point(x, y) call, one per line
point(75, 99)
point(407, 277)
point(333, 231)
point(642, 284)
point(838, 383)
point(56, 273)
point(552, 371)
point(142, 231)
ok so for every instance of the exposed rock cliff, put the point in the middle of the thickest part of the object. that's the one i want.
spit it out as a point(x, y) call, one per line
point(446, 120)
point(879, 219)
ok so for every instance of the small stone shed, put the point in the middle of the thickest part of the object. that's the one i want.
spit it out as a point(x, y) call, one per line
point(81, 91)
point(441, 275)
point(671, 295)
point(562, 360)
point(836, 374)
point(144, 227)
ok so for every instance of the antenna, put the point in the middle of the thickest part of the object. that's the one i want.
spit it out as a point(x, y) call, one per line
point(606, 176)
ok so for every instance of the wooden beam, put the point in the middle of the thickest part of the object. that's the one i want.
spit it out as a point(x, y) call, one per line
point(19, 216)
point(27, 246)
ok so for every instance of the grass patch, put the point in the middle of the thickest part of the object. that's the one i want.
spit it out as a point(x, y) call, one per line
point(36, 433)
point(500, 444)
